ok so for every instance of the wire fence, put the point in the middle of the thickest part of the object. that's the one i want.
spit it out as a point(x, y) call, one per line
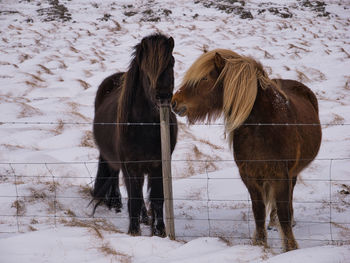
point(208, 211)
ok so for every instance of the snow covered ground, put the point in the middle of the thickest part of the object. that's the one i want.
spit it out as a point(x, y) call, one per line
point(54, 54)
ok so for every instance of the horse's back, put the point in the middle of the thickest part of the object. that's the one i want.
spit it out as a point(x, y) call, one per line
point(106, 104)
point(298, 89)
point(108, 85)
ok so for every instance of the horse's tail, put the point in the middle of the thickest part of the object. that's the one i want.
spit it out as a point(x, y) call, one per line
point(106, 187)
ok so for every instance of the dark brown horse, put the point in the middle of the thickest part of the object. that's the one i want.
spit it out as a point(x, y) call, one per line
point(272, 125)
point(126, 131)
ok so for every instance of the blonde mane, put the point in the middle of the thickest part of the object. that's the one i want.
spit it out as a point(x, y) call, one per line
point(204, 65)
point(240, 78)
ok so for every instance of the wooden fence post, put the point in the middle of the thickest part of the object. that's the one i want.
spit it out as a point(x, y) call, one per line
point(166, 169)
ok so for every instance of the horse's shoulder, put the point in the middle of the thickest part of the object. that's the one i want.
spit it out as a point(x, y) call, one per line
point(294, 88)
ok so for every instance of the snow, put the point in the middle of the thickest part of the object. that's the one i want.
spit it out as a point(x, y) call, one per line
point(49, 73)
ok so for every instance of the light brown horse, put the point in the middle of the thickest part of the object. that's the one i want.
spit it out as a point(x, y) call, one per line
point(272, 125)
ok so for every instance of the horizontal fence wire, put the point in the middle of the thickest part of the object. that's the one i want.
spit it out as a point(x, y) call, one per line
point(58, 213)
point(181, 160)
point(210, 218)
point(157, 123)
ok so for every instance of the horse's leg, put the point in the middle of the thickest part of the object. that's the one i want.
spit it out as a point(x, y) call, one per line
point(259, 212)
point(274, 223)
point(106, 186)
point(157, 201)
point(134, 188)
point(284, 203)
point(294, 181)
point(114, 198)
point(144, 219)
point(104, 183)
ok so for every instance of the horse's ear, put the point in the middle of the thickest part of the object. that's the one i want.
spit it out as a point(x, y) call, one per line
point(171, 42)
point(219, 62)
point(143, 44)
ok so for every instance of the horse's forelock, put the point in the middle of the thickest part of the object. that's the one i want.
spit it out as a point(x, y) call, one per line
point(156, 55)
point(203, 66)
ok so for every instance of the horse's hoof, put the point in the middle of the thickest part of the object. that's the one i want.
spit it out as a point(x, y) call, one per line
point(159, 231)
point(134, 232)
point(260, 242)
point(260, 239)
point(118, 206)
point(290, 245)
point(134, 228)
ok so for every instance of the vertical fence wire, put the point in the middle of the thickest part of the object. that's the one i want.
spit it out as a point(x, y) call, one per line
point(208, 199)
point(330, 199)
point(91, 178)
point(55, 193)
point(17, 204)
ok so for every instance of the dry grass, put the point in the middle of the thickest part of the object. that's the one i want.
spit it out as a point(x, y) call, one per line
point(31, 228)
point(20, 207)
point(24, 57)
point(94, 224)
point(28, 111)
point(107, 250)
point(302, 77)
point(74, 111)
point(117, 27)
point(35, 77)
point(84, 84)
point(345, 52)
point(74, 49)
point(62, 64)
point(87, 73)
point(30, 83)
point(292, 46)
point(12, 147)
point(343, 227)
point(87, 140)
point(85, 191)
point(54, 206)
point(34, 221)
point(70, 213)
point(347, 83)
point(214, 146)
point(59, 128)
point(337, 119)
point(45, 69)
point(36, 195)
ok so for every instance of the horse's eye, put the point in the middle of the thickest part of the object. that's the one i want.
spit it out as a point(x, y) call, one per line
point(204, 78)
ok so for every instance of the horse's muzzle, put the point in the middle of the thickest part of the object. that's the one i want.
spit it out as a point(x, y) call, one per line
point(179, 110)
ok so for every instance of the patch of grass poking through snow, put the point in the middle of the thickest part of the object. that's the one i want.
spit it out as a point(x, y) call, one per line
point(87, 140)
point(228, 6)
point(85, 191)
point(59, 128)
point(107, 250)
point(20, 207)
point(56, 12)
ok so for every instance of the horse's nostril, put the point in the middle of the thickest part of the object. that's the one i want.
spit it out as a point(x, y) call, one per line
point(173, 104)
